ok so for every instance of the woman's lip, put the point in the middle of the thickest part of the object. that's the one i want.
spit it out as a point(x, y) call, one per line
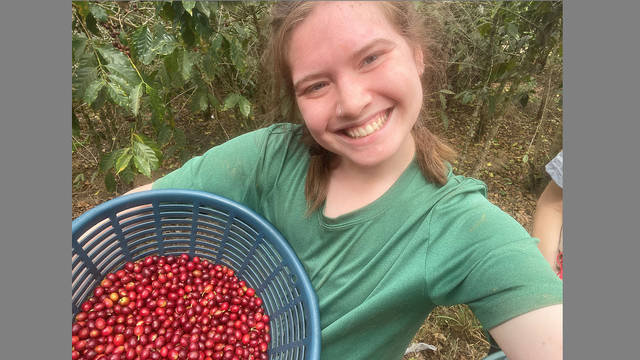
point(369, 120)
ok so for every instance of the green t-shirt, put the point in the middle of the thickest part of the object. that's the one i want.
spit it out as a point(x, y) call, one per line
point(379, 271)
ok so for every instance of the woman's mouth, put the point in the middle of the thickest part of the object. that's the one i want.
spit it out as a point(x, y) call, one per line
point(369, 127)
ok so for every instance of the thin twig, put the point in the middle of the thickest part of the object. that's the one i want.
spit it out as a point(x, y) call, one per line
point(544, 109)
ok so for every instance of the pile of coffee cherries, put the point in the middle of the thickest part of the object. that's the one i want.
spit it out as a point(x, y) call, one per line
point(171, 307)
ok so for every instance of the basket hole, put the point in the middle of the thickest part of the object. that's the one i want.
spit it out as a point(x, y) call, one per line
point(294, 278)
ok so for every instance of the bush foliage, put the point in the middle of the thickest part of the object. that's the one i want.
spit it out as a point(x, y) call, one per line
point(137, 65)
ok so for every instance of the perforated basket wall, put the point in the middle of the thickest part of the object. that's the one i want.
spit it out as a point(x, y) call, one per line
point(171, 222)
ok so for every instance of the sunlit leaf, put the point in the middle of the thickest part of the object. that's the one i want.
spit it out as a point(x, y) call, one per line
point(188, 6)
point(245, 106)
point(123, 160)
point(144, 158)
point(117, 94)
point(134, 99)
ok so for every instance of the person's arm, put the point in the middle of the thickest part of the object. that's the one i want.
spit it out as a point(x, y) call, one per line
point(140, 188)
point(533, 335)
point(547, 222)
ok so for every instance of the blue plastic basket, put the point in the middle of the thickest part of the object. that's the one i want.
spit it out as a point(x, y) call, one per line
point(171, 222)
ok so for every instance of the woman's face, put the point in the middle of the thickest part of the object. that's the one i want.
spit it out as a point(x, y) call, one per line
point(356, 82)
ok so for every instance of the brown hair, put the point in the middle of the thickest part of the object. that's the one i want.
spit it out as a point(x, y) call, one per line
point(432, 154)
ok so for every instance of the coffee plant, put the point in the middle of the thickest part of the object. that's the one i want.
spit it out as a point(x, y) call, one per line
point(493, 51)
point(136, 65)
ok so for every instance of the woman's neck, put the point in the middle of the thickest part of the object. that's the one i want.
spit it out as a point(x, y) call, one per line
point(352, 187)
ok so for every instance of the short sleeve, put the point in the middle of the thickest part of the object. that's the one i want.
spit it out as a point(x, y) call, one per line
point(554, 169)
point(480, 256)
point(228, 169)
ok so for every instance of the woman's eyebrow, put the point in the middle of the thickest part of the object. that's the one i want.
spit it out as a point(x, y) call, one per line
point(375, 42)
point(357, 54)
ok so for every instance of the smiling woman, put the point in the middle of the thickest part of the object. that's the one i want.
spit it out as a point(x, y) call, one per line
point(365, 195)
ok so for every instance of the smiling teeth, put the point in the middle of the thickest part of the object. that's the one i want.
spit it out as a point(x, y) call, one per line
point(368, 129)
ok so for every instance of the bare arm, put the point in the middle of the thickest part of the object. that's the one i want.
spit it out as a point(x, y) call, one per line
point(547, 222)
point(140, 188)
point(534, 335)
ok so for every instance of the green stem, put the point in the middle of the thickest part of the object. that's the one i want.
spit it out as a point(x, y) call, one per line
point(93, 48)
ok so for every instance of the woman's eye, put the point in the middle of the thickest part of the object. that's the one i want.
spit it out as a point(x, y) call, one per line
point(315, 87)
point(369, 59)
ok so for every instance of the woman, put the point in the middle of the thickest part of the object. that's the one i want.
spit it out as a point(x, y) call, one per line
point(365, 196)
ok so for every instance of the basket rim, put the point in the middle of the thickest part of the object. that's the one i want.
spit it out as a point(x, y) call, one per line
point(109, 208)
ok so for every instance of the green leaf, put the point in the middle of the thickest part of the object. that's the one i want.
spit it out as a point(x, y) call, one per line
point(188, 6)
point(213, 100)
point(134, 99)
point(165, 10)
point(216, 44)
point(123, 160)
point(202, 26)
point(179, 137)
point(82, 7)
point(231, 101)
point(91, 24)
point(525, 158)
point(467, 97)
point(445, 91)
point(112, 56)
point(188, 36)
point(92, 91)
point(484, 29)
point(200, 101)
point(443, 101)
point(98, 12)
point(117, 94)
point(142, 45)
point(444, 118)
point(202, 6)
point(124, 74)
point(127, 176)
point(157, 108)
point(164, 134)
point(236, 53)
point(512, 29)
point(163, 42)
point(79, 44)
point(100, 100)
point(171, 65)
point(83, 76)
point(110, 182)
point(144, 158)
point(121, 82)
point(186, 62)
point(108, 161)
point(245, 106)
point(78, 179)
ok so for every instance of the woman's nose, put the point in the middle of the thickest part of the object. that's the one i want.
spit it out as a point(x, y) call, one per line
point(353, 97)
